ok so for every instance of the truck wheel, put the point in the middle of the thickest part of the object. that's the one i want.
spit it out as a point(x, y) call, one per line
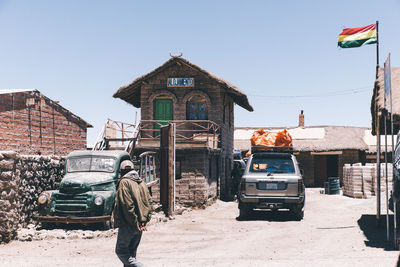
point(298, 211)
point(107, 225)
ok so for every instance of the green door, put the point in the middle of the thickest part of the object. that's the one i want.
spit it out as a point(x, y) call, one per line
point(162, 112)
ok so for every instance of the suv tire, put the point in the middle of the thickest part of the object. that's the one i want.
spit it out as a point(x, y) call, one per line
point(244, 211)
point(298, 211)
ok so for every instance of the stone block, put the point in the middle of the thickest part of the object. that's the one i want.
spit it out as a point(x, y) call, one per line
point(7, 164)
point(6, 175)
point(10, 154)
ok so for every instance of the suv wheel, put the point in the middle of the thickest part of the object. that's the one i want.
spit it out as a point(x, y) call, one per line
point(244, 211)
point(298, 212)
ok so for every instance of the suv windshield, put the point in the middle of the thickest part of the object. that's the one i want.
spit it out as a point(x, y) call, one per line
point(95, 164)
point(272, 165)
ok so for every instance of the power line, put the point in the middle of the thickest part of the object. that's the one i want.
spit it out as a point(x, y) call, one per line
point(333, 93)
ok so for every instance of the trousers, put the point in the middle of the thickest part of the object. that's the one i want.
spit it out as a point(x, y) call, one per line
point(128, 240)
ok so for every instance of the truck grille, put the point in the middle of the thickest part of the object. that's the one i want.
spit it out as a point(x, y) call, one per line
point(71, 204)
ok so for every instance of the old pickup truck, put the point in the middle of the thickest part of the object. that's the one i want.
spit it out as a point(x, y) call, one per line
point(87, 190)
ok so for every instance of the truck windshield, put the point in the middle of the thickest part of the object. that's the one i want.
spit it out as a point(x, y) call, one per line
point(272, 165)
point(95, 164)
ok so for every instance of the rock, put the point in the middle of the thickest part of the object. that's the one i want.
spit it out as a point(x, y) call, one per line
point(6, 175)
point(88, 235)
point(10, 154)
point(7, 164)
point(73, 236)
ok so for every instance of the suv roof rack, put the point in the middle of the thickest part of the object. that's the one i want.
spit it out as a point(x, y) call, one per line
point(262, 148)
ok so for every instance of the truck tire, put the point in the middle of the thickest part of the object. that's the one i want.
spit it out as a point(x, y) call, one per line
point(107, 225)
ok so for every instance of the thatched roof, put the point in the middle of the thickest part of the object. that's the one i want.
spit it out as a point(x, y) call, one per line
point(377, 102)
point(313, 139)
point(131, 92)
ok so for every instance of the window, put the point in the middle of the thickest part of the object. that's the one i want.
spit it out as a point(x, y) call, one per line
point(94, 164)
point(196, 108)
point(272, 165)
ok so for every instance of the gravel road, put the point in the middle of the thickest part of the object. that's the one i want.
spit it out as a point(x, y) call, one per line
point(336, 231)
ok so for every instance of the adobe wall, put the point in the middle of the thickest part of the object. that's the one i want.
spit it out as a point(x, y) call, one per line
point(193, 189)
point(43, 128)
point(197, 184)
point(22, 179)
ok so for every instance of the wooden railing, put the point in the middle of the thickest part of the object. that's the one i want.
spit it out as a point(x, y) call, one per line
point(116, 134)
point(203, 132)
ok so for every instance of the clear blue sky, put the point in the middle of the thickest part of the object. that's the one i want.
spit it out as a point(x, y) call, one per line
point(81, 52)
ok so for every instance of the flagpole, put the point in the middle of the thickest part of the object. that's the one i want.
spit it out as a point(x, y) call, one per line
point(377, 48)
point(378, 141)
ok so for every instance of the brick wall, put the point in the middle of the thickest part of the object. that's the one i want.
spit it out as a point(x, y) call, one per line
point(44, 127)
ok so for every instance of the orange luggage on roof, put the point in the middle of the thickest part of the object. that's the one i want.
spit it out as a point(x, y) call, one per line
point(283, 138)
point(262, 140)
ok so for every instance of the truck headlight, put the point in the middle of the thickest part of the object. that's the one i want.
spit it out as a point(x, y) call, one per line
point(98, 201)
point(43, 199)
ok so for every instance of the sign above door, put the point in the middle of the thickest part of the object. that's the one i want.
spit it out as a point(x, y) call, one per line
point(180, 82)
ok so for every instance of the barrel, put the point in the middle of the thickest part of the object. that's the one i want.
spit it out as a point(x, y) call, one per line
point(334, 185)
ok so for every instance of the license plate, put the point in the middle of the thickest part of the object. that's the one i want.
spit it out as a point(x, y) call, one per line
point(271, 186)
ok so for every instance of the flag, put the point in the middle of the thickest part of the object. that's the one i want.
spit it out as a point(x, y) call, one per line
point(356, 37)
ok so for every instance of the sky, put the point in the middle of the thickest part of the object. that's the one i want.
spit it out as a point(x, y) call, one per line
point(282, 54)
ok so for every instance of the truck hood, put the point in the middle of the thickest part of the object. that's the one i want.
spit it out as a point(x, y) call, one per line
point(81, 182)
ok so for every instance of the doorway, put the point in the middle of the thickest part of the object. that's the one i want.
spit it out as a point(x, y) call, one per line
point(332, 168)
point(163, 111)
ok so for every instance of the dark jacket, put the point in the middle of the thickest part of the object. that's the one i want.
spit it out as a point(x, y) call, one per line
point(132, 202)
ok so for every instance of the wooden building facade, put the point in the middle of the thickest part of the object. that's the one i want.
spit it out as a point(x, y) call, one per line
point(202, 107)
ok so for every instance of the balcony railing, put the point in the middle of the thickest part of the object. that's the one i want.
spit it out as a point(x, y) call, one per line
point(188, 132)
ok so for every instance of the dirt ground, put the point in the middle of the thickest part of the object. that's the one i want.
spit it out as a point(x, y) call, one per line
point(336, 231)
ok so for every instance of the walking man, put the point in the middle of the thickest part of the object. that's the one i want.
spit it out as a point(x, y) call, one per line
point(132, 212)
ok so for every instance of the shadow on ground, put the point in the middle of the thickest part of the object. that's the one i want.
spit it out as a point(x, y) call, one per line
point(270, 216)
point(74, 226)
point(376, 234)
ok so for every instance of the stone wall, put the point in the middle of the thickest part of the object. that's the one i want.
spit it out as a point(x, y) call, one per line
point(22, 179)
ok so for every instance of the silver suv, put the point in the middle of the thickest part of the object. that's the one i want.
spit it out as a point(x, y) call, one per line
point(272, 180)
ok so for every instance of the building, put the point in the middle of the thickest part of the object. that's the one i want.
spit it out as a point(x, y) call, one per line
point(378, 106)
point(321, 151)
point(202, 106)
point(31, 123)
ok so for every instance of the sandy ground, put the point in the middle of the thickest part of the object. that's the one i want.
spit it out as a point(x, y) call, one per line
point(336, 231)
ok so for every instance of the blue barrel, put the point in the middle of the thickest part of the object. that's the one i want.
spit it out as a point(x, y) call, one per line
point(334, 185)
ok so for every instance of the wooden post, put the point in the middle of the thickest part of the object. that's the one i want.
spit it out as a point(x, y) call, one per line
point(171, 172)
point(167, 174)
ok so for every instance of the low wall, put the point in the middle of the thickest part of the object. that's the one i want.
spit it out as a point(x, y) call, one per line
point(193, 189)
point(22, 179)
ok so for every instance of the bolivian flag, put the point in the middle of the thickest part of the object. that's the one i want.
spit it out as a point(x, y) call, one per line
point(356, 37)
